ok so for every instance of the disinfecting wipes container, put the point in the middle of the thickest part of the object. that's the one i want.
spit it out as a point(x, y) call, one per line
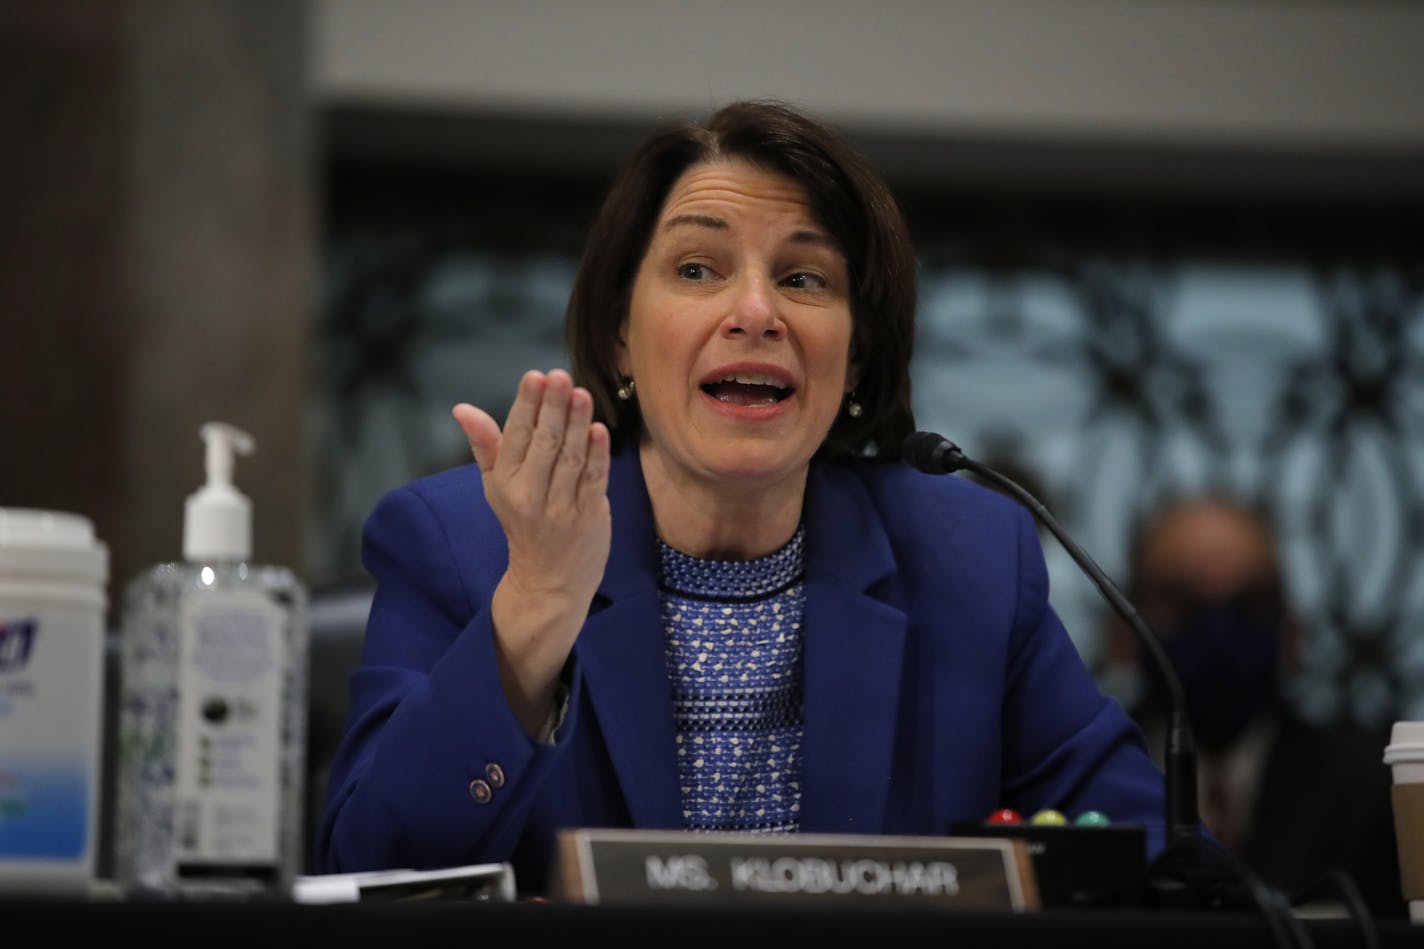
point(53, 574)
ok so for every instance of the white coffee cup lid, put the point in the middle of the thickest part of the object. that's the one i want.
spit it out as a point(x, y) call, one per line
point(1406, 743)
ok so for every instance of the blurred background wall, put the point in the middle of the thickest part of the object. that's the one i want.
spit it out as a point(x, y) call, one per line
point(1166, 244)
point(159, 261)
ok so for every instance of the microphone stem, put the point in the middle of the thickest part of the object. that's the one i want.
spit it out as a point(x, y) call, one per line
point(1180, 764)
point(1179, 757)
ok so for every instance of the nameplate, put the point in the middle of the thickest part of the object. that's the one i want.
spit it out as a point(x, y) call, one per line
point(673, 867)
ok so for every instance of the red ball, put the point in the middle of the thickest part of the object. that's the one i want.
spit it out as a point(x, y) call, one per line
point(1005, 816)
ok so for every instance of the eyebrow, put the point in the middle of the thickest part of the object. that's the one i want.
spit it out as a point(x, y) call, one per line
point(801, 236)
point(695, 220)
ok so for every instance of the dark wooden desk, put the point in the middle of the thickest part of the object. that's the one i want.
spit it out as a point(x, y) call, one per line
point(44, 921)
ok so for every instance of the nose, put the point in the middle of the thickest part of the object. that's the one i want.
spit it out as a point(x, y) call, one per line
point(754, 310)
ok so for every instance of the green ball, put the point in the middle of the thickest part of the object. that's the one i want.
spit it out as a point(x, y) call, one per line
point(1092, 819)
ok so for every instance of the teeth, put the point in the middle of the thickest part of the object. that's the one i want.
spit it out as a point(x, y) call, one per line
point(753, 379)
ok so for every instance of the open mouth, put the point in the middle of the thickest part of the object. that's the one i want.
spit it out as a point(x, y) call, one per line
point(748, 389)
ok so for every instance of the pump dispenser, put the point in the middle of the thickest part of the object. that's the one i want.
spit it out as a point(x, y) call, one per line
point(217, 519)
point(212, 719)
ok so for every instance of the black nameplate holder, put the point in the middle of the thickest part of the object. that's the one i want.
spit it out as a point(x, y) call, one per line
point(1073, 866)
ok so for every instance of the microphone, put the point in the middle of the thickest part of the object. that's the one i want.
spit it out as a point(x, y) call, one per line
point(935, 454)
point(1191, 872)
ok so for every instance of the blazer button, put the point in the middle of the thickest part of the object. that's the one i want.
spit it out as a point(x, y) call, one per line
point(494, 774)
point(480, 791)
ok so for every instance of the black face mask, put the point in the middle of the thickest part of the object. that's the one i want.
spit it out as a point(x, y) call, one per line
point(1227, 655)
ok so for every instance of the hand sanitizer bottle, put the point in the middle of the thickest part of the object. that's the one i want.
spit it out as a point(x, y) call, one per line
point(212, 719)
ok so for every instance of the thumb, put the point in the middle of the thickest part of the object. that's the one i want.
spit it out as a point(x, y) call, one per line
point(482, 432)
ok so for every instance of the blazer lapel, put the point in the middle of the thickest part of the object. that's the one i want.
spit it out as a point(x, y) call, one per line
point(622, 656)
point(853, 652)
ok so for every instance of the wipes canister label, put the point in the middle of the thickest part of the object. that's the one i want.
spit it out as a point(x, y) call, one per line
point(51, 677)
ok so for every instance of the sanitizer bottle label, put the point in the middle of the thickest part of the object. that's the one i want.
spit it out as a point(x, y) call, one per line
point(228, 782)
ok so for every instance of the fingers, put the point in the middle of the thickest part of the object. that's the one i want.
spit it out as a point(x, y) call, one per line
point(546, 442)
point(593, 486)
point(481, 431)
point(519, 424)
point(572, 451)
point(550, 445)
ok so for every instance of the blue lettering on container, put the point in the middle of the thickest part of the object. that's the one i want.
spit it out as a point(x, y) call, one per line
point(17, 639)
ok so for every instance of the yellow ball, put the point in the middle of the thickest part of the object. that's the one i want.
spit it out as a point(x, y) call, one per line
point(1049, 818)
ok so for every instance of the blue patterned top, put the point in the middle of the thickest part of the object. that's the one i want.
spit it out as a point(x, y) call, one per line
point(733, 634)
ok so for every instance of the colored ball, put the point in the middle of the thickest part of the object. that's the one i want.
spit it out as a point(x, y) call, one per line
point(1049, 818)
point(1005, 816)
point(1092, 819)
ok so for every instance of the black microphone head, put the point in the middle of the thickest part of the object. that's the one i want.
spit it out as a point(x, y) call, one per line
point(931, 453)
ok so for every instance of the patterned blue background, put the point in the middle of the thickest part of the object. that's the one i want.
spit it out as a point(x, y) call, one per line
point(1103, 366)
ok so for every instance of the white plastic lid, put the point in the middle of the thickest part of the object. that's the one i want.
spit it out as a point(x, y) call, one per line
point(36, 543)
point(1406, 743)
point(217, 518)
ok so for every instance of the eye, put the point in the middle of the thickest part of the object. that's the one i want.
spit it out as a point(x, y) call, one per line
point(693, 271)
point(802, 280)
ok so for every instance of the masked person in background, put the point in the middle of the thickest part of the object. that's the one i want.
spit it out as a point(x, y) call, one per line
point(1292, 799)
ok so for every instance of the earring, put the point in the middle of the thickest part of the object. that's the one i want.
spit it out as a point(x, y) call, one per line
point(853, 408)
point(625, 391)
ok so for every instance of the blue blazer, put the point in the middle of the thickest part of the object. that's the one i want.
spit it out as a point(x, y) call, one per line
point(939, 683)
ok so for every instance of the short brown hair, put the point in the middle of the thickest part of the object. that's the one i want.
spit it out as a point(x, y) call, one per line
point(848, 198)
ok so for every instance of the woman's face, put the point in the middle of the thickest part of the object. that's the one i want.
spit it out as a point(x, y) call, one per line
point(739, 329)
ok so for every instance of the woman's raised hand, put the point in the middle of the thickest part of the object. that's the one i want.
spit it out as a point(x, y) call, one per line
point(546, 478)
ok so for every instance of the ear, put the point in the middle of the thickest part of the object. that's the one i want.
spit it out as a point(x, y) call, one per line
point(620, 350)
point(852, 378)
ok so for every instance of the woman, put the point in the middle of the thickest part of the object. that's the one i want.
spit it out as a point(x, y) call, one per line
point(694, 590)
